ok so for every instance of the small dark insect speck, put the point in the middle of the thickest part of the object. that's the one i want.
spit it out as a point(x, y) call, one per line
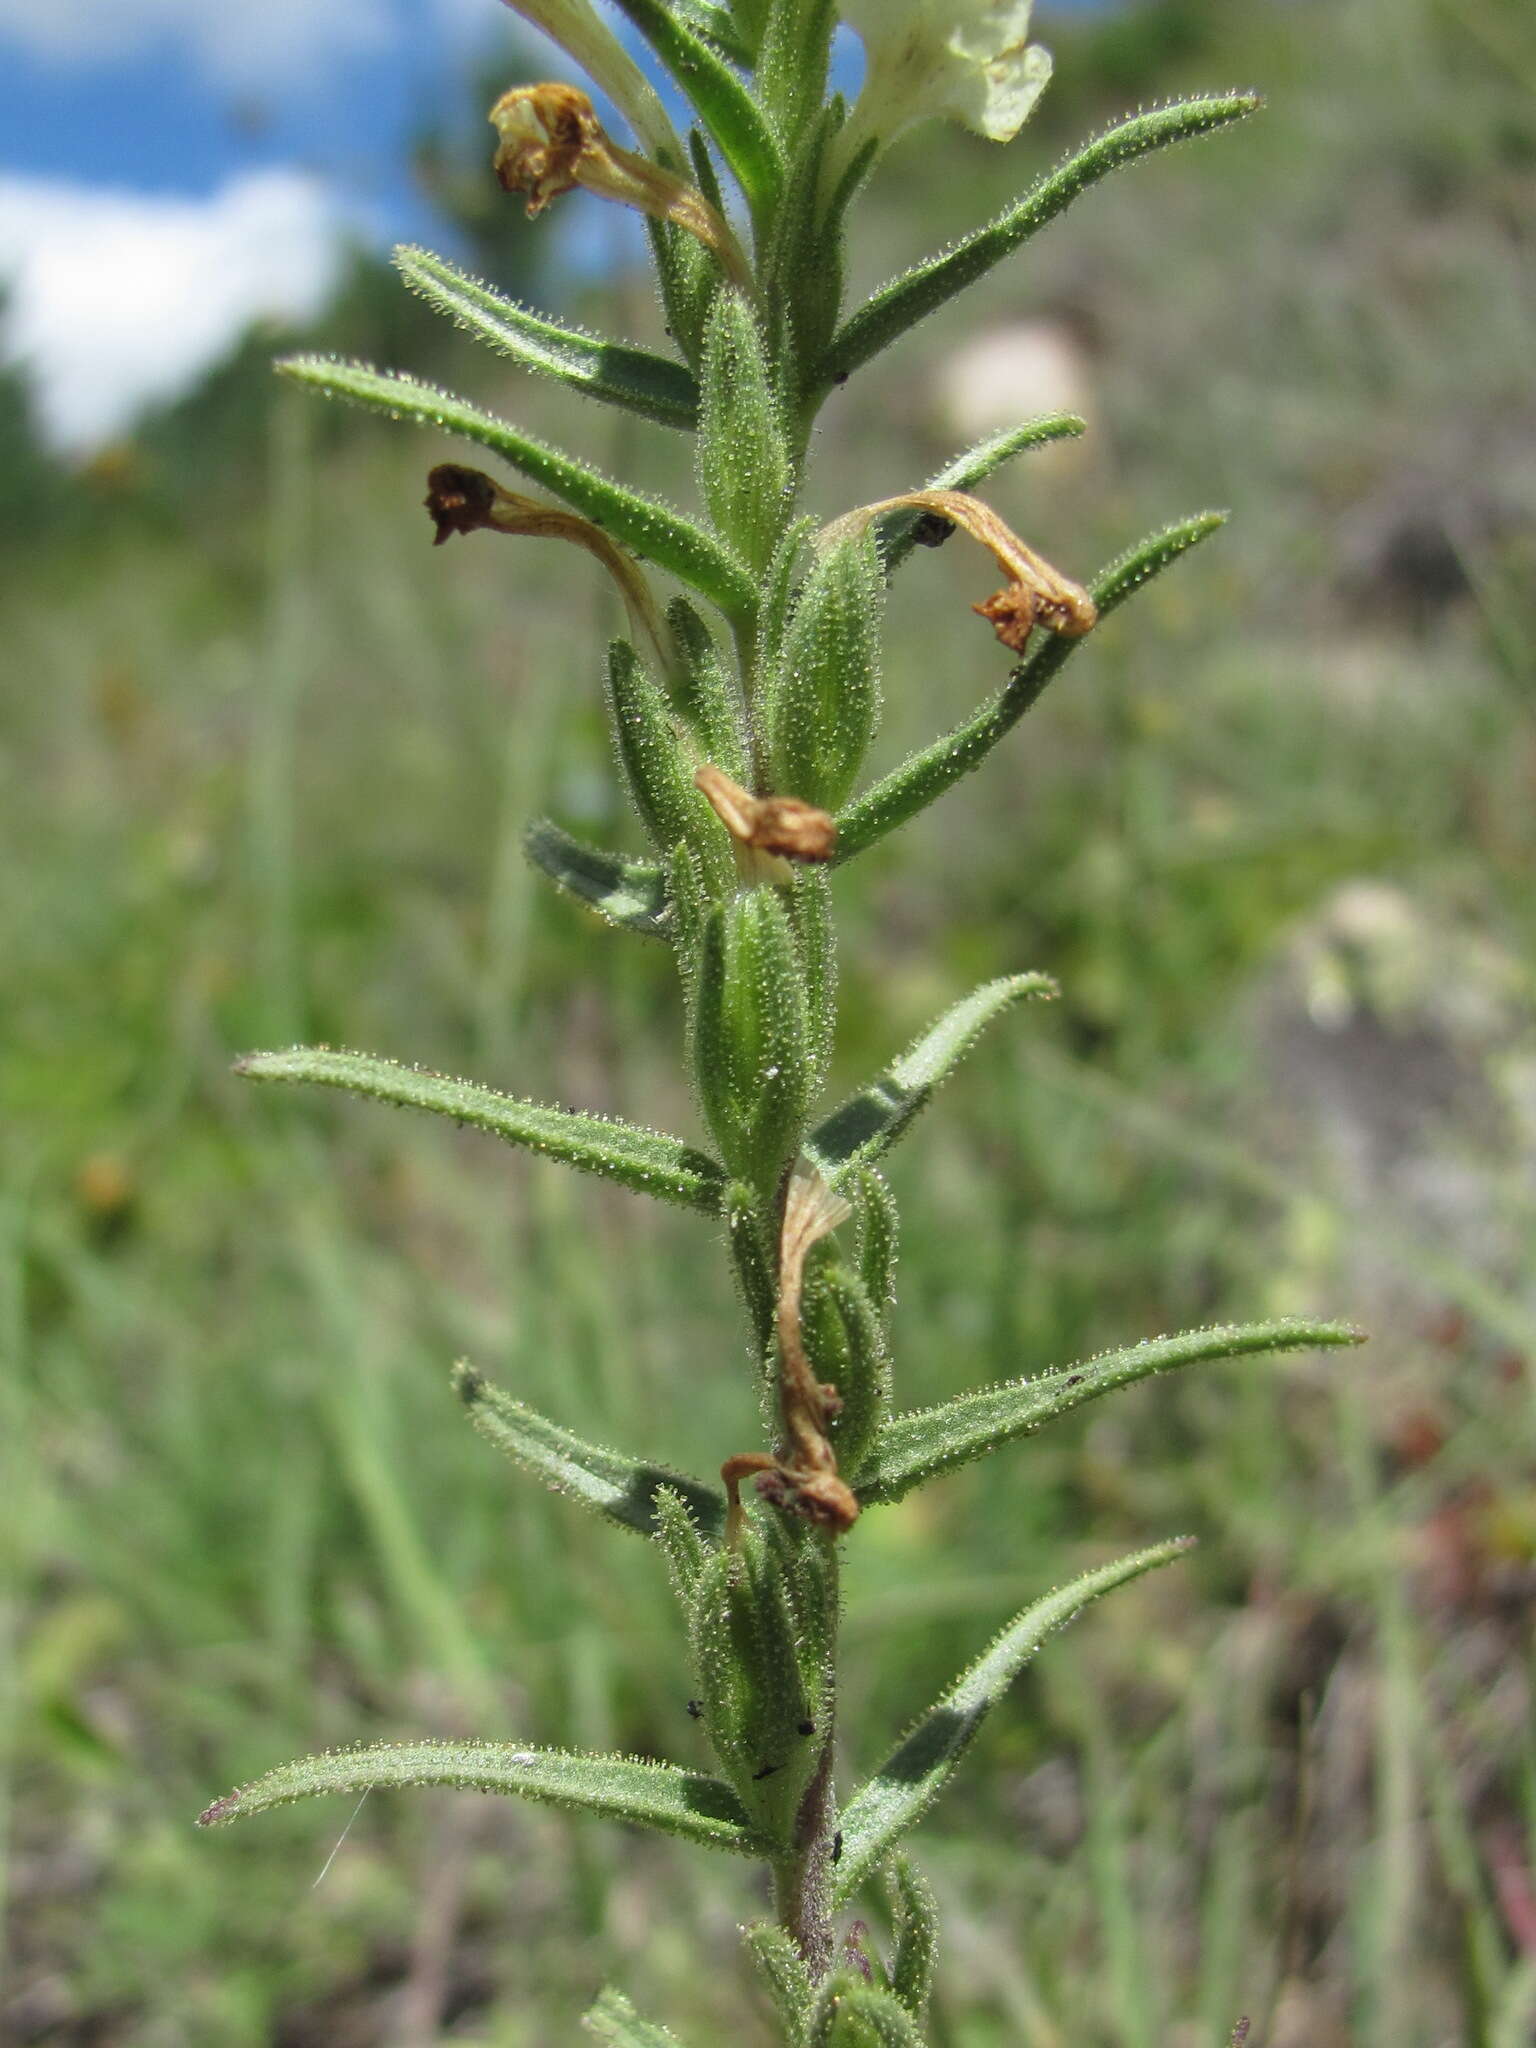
point(837, 1846)
point(931, 529)
point(1076, 1380)
point(766, 1772)
point(695, 1710)
point(841, 376)
point(806, 1727)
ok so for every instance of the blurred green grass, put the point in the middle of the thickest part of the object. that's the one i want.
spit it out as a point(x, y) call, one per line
point(263, 776)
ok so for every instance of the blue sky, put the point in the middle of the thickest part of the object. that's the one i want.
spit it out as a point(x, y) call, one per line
point(172, 169)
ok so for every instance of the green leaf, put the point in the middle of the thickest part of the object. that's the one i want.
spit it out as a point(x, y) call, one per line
point(754, 1260)
point(614, 2019)
point(925, 776)
point(707, 693)
point(715, 26)
point(706, 177)
point(869, 1123)
point(778, 596)
point(653, 1795)
point(658, 759)
point(742, 454)
point(914, 1915)
point(897, 533)
point(920, 1766)
point(652, 386)
point(801, 263)
point(688, 278)
point(845, 1344)
point(631, 894)
point(919, 1446)
point(792, 70)
point(906, 300)
point(752, 18)
point(718, 96)
point(640, 1159)
point(681, 1543)
point(879, 1235)
point(653, 530)
point(623, 1490)
point(810, 912)
point(782, 1968)
point(853, 2014)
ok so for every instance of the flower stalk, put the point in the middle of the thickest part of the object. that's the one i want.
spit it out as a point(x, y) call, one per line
point(743, 714)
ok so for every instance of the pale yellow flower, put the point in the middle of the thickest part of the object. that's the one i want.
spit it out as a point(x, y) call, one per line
point(969, 60)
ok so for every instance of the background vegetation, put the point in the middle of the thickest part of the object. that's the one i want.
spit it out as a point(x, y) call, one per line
point(264, 763)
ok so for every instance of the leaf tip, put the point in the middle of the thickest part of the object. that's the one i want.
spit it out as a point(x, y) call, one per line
point(467, 1382)
point(221, 1810)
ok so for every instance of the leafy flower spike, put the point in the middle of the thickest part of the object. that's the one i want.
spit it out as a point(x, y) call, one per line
point(970, 60)
point(743, 713)
point(552, 141)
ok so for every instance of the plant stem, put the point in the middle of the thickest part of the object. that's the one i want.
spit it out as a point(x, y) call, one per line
point(802, 1880)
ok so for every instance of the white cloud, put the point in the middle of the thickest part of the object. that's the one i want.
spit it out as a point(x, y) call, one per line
point(119, 299)
point(240, 43)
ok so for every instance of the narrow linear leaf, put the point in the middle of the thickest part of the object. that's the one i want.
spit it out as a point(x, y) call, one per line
point(650, 385)
point(918, 1446)
point(782, 1968)
point(897, 533)
point(928, 774)
point(715, 26)
point(681, 1541)
point(920, 1766)
point(718, 96)
point(631, 894)
point(640, 1159)
point(906, 300)
point(621, 1489)
point(859, 1130)
point(614, 2019)
point(914, 1915)
point(652, 529)
point(654, 1795)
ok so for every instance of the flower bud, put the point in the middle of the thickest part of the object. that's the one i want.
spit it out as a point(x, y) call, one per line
point(758, 1622)
point(743, 455)
point(750, 1033)
point(825, 698)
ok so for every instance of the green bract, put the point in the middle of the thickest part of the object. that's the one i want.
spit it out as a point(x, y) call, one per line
point(741, 720)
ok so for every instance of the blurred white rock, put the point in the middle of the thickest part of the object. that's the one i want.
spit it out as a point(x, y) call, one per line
point(1013, 372)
